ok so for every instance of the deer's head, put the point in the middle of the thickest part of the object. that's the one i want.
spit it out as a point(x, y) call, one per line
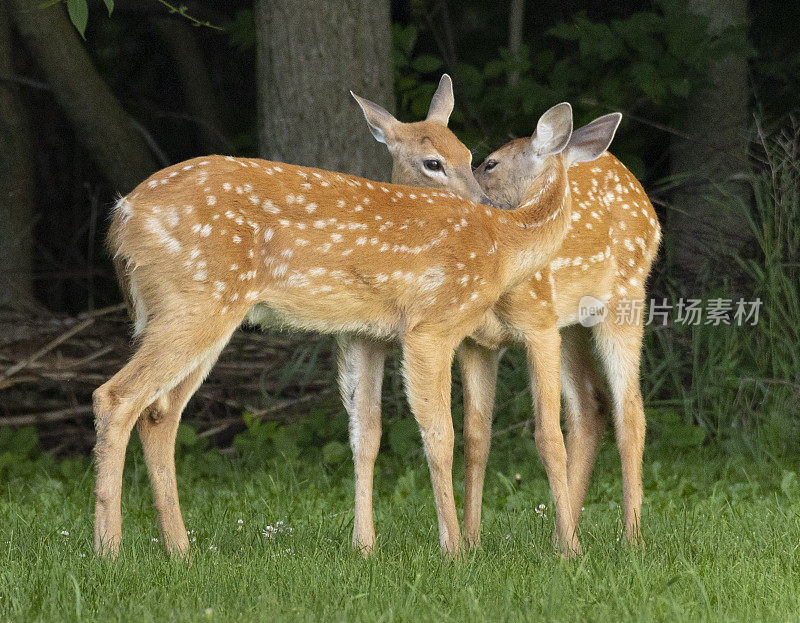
point(507, 173)
point(426, 153)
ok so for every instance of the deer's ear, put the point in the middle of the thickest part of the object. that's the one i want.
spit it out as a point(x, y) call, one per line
point(553, 131)
point(591, 140)
point(442, 102)
point(381, 122)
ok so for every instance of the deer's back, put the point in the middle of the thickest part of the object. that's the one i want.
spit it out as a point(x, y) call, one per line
point(325, 246)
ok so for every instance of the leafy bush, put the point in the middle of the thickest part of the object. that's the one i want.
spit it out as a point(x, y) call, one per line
point(645, 65)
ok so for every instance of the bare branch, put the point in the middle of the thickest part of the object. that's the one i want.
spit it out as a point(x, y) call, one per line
point(47, 417)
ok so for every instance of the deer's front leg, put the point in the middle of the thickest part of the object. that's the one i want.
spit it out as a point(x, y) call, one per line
point(426, 367)
point(543, 350)
point(360, 377)
point(478, 377)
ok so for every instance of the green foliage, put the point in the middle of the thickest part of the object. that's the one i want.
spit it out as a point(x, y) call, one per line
point(79, 15)
point(645, 64)
point(78, 11)
point(320, 437)
point(662, 53)
point(412, 91)
point(335, 453)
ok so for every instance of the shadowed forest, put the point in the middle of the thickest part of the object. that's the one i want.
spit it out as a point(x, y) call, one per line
point(96, 100)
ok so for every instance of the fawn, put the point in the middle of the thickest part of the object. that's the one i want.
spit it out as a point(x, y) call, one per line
point(608, 196)
point(210, 242)
point(607, 256)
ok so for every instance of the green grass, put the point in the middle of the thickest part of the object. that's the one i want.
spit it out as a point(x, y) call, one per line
point(722, 538)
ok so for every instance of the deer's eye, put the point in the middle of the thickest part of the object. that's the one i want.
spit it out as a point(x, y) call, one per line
point(432, 164)
point(489, 165)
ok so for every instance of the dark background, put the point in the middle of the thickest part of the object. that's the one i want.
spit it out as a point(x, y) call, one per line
point(709, 93)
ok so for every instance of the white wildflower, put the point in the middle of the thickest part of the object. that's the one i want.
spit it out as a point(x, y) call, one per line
point(279, 528)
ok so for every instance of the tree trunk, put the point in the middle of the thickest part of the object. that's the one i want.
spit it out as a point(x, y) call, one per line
point(310, 54)
point(16, 183)
point(199, 93)
point(716, 122)
point(516, 19)
point(98, 118)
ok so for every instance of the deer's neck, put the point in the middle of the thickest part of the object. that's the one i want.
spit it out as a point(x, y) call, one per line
point(534, 232)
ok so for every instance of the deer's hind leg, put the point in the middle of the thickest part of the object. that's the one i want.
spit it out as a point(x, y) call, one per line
point(361, 363)
point(619, 346)
point(172, 347)
point(586, 406)
point(543, 347)
point(478, 378)
point(158, 428)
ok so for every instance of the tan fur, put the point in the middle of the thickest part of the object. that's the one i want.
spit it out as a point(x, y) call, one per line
point(212, 240)
point(608, 253)
point(596, 260)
